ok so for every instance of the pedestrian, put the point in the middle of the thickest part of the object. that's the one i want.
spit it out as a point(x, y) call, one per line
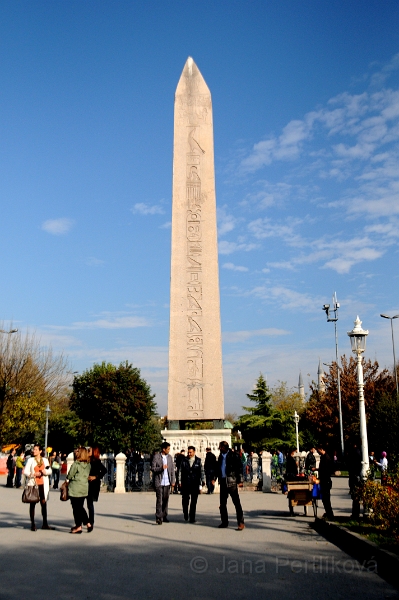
point(372, 464)
point(164, 478)
point(291, 467)
point(19, 467)
point(78, 488)
point(383, 464)
point(280, 461)
point(10, 468)
point(178, 458)
point(229, 474)
point(55, 462)
point(310, 462)
point(191, 477)
point(97, 472)
point(210, 467)
point(37, 470)
point(354, 471)
point(244, 460)
point(326, 467)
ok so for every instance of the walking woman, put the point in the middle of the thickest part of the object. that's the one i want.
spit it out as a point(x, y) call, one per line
point(38, 469)
point(97, 472)
point(78, 488)
point(55, 462)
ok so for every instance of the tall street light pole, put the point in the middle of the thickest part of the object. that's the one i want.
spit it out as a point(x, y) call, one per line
point(48, 411)
point(393, 347)
point(328, 310)
point(358, 343)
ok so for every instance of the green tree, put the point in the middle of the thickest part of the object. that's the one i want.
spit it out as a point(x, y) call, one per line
point(30, 377)
point(259, 425)
point(383, 427)
point(116, 408)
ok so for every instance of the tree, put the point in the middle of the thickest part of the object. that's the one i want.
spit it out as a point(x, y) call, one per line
point(264, 427)
point(321, 417)
point(383, 427)
point(285, 400)
point(30, 377)
point(116, 408)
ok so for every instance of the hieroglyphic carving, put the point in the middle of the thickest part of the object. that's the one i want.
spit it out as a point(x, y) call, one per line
point(193, 110)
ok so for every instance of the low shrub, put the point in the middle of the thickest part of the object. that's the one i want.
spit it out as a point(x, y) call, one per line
point(383, 502)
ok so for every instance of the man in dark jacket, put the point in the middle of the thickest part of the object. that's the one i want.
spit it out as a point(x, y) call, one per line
point(326, 467)
point(164, 478)
point(310, 462)
point(210, 467)
point(355, 471)
point(178, 458)
point(229, 473)
point(191, 478)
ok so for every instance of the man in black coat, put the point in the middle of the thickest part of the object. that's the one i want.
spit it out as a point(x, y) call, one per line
point(326, 467)
point(355, 471)
point(11, 468)
point(210, 467)
point(191, 478)
point(310, 462)
point(229, 473)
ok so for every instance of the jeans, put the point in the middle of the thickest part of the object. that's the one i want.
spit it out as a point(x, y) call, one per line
point(18, 477)
point(162, 494)
point(79, 513)
point(225, 492)
point(43, 506)
point(56, 478)
point(325, 488)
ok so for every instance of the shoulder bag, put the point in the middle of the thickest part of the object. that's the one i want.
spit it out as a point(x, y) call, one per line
point(64, 496)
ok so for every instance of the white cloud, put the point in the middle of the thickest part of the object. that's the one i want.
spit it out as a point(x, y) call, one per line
point(226, 222)
point(232, 337)
point(230, 247)
point(145, 209)
point(57, 226)
point(92, 261)
point(234, 267)
point(124, 322)
point(166, 225)
point(287, 298)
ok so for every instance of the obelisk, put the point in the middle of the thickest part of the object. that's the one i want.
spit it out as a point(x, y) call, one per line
point(195, 389)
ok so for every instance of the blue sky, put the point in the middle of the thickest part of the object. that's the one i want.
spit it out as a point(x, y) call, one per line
point(306, 110)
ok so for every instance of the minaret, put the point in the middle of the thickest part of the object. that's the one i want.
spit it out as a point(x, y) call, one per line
point(195, 388)
point(321, 386)
point(301, 387)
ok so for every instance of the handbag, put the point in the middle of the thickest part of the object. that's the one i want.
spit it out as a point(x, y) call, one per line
point(64, 496)
point(30, 495)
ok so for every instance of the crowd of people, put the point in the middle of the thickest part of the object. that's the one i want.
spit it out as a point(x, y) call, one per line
point(185, 475)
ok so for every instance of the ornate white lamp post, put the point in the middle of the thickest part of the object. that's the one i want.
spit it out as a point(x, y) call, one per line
point(296, 419)
point(358, 343)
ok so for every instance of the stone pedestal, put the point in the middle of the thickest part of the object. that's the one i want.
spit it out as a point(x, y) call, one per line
point(199, 438)
point(255, 471)
point(120, 473)
point(266, 472)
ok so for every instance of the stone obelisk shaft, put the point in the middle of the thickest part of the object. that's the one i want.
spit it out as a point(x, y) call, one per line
point(195, 389)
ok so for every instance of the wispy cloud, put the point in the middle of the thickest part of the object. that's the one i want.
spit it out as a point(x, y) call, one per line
point(124, 322)
point(241, 336)
point(92, 261)
point(230, 247)
point(57, 226)
point(226, 222)
point(233, 267)
point(287, 298)
point(146, 209)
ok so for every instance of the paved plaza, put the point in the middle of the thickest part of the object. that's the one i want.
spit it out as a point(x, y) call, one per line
point(129, 556)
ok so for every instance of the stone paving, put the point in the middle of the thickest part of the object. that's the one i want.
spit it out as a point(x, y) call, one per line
point(129, 556)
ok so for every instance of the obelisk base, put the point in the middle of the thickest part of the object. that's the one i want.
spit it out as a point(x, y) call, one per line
point(201, 439)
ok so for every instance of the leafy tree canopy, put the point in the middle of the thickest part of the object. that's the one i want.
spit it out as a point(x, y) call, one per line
point(116, 408)
point(31, 377)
